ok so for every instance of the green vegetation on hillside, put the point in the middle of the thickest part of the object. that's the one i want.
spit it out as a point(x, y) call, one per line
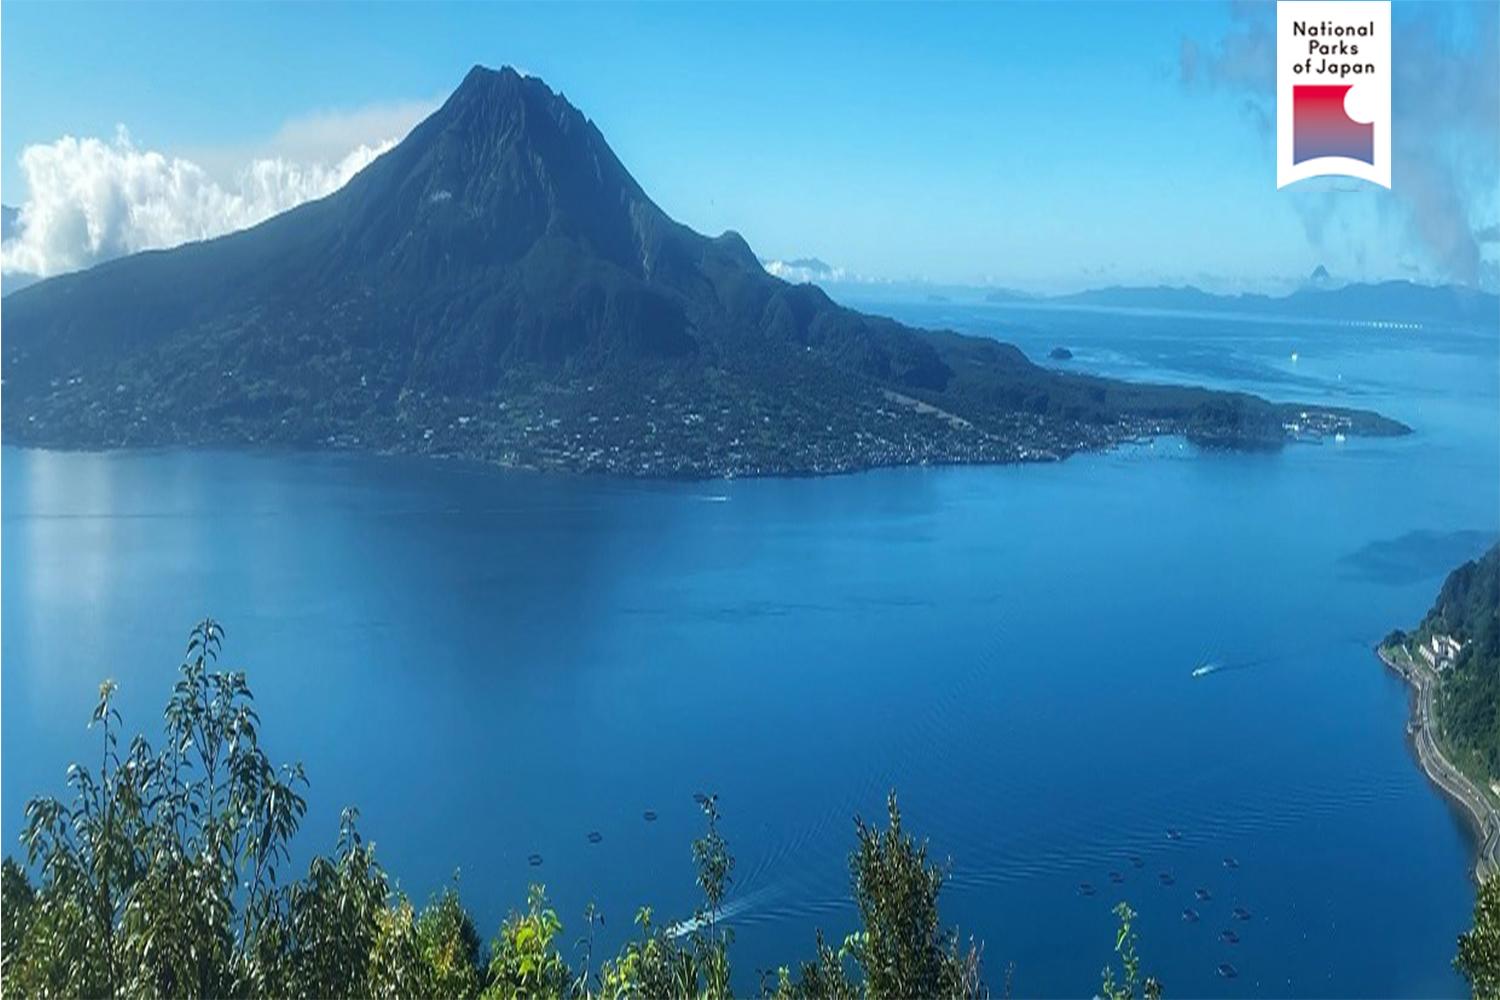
point(166, 875)
point(1467, 611)
point(1468, 608)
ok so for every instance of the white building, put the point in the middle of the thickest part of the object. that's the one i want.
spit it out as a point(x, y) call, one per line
point(1440, 651)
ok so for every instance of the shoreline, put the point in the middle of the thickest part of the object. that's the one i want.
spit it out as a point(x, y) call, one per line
point(1484, 818)
point(1019, 455)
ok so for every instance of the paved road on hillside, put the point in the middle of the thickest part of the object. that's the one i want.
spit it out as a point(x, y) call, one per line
point(1479, 805)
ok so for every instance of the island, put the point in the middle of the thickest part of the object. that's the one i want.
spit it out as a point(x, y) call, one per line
point(1060, 354)
point(498, 287)
point(1452, 661)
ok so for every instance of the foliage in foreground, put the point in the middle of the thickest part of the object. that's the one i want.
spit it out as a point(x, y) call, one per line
point(164, 876)
point(1479, 949)
point(1129, 985)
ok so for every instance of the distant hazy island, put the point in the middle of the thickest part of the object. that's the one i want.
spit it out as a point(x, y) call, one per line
point(498, 287)
point(1385, 303)
point(1452, 659)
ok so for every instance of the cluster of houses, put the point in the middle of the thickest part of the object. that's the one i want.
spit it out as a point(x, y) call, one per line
point(1440, 651)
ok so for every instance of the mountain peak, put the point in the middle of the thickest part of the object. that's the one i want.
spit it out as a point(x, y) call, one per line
point(506, 167)
point(1320, 279)
point(505, 100)
point(482, 85)
point(480, 74)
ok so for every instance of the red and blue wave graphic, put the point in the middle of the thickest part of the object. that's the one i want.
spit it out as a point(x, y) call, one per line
point(1320, 126)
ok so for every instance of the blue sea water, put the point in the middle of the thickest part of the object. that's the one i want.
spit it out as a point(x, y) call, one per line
point(495, 664)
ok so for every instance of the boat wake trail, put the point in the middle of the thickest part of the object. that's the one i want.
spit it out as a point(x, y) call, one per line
point(1222, 667)
point(737, 906)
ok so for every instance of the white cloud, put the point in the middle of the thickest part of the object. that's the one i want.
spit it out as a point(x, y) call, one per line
point(316, 137)
point(89, 200)
point(804, 270)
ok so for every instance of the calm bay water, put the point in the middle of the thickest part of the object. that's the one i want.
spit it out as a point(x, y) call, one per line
point(494, 664)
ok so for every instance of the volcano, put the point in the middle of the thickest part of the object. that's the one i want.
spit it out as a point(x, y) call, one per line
point(498, 286)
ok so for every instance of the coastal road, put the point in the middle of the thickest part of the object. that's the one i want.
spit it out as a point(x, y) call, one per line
point(1457, 785)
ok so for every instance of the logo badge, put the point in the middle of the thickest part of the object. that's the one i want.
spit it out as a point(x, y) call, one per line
point(1333, 90)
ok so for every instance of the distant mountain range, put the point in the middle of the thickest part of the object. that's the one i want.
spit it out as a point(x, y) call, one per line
point(497, 286)
point(1387, 301)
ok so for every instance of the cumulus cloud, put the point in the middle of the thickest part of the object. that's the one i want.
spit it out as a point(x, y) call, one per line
point(1445, 95)
point(90, 199)
point(804, 270)
point(324, 137)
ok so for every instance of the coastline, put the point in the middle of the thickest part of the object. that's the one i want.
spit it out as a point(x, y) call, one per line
point(1483, 816)
point(987, 449)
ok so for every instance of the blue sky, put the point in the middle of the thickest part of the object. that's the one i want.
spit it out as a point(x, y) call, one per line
point(1029, 145)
